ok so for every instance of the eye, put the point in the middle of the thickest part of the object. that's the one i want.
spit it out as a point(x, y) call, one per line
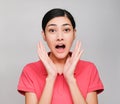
point(66, 30)
point(52, 30)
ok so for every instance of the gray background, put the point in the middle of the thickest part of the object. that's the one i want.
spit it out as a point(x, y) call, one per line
point(98, 27)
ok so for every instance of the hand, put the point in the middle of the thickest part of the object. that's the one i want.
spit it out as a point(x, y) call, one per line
point(71, 62)
point(49, 65)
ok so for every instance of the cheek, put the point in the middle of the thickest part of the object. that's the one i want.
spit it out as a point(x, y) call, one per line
point(49, 38)
point(50, 42)
point(70, 41)
point(70, 38)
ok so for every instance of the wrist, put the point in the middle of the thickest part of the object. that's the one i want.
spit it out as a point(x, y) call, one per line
point(50, 78)
point(70, 79)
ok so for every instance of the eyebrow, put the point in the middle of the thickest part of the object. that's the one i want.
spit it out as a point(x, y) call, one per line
point(62, 24)
point(66, 24)
point(52, 25)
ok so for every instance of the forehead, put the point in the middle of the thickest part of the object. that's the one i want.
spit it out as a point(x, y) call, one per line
point(59, 21)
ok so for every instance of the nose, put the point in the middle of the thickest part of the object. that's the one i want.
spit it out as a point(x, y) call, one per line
point(60, 36)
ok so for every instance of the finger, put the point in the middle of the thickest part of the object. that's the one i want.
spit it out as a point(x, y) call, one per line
point(79, 50)
point(76, 46)
point(43, 50)
point(42, 47)
point(68, 59)
point(73, 53)
point(76, 49)
point(40, 51)
point(77, 56)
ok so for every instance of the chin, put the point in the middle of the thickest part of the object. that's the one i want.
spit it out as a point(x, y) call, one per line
point(61, 55)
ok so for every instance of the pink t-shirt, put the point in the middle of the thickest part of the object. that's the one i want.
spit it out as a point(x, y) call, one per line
point(34, 74)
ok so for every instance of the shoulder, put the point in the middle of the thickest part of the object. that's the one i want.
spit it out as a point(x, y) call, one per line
point(34, 67)
point(34, 64)
point(85, 66)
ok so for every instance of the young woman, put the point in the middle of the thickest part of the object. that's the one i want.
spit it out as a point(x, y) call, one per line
point(60, 77)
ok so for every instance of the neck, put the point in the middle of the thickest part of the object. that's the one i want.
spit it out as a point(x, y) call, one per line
point(59, 63)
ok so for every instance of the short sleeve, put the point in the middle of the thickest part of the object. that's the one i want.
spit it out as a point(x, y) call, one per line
point(25, 83)
point(95, 81)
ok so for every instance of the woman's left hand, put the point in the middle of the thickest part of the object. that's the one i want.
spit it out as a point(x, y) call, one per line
point(72, 61)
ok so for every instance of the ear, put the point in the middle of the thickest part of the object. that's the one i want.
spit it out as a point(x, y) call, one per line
point(43, 35)
point(74, 33)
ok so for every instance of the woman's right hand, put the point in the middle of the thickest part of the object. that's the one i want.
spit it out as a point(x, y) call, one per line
point(48, 63)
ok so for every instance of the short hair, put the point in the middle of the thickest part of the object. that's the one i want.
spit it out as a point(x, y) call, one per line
point(57, 12)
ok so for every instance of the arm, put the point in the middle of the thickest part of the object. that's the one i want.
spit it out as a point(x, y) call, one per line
point(52, 73)
point(71, 81)
point(78, 97)
point(69, 75)
point(30, 98)
point(75, 92)
point(47, 92)
point(92, 98)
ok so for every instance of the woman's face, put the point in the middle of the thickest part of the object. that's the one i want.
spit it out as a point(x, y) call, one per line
point(59, 35)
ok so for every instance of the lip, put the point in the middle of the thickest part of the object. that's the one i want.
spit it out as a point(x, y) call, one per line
point(60, 48)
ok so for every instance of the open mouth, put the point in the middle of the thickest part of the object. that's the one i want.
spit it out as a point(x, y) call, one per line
point(62, 46)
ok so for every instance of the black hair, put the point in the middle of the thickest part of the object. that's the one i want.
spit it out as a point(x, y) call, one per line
point(57, 12)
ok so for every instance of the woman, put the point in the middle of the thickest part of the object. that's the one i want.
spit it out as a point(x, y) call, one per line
point(60, 77)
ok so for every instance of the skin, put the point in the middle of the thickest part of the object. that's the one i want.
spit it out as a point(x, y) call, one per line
point(59, 31)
